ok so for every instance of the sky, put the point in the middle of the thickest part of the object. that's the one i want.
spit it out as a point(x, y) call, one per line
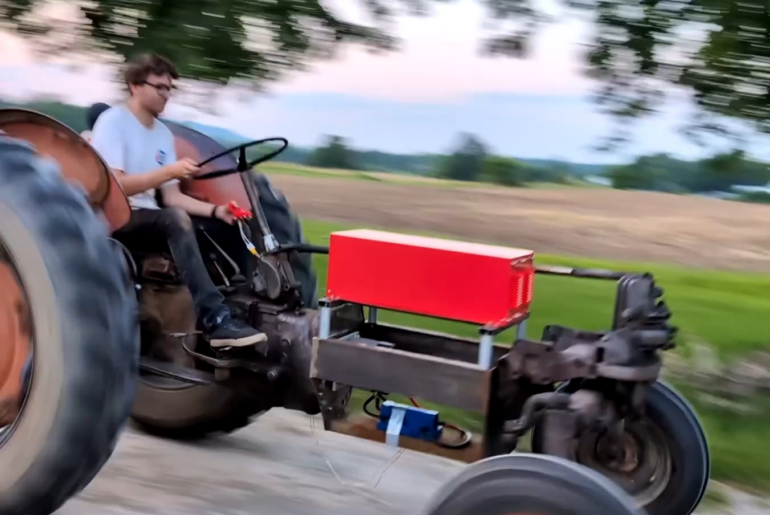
point(415, 100)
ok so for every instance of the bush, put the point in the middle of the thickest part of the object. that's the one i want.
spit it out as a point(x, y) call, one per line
point(503, 171)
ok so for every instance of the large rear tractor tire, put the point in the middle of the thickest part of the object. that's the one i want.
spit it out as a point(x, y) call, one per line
point(170, 408)
point(516, 484)
point(80, 322)
point(663, 461)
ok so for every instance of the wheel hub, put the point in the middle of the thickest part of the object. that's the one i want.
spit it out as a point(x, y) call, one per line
point(14, 341)
point(620, 454)
point(638, 459)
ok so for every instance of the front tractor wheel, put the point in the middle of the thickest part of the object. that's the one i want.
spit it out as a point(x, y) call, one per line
point(661, 459)
point(68, 337)
point(517, 484)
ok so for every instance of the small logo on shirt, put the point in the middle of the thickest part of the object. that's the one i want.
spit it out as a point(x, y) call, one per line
point(160, 157)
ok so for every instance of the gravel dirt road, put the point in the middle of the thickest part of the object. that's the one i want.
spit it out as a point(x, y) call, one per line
point(280, 465)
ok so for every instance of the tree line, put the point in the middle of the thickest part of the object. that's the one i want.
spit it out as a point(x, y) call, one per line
point(718, 173)
point(470, 159)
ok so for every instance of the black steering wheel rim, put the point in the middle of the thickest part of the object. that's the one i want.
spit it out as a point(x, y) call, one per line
point(242, 163)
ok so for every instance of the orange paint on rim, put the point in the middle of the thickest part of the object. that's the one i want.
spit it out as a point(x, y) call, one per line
point(14, 344)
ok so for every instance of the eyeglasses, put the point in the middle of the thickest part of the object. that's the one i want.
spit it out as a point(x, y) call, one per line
point(163, 88)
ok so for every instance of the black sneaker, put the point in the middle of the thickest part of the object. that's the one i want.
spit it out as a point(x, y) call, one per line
point(235, 333)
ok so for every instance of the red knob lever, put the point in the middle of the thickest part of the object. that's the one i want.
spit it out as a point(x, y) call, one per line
point(238, 212)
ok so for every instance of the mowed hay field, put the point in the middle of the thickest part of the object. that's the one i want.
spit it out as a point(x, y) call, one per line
point(590, 222)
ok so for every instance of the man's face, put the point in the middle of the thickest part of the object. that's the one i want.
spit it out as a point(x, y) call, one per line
point(154, 93)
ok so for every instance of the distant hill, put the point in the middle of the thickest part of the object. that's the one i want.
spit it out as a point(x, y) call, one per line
point(577, 169)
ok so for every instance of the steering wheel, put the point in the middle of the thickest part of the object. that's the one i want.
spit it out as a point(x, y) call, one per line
point(242, 165)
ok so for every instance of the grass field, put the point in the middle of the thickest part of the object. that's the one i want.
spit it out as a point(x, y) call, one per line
point(726, 310)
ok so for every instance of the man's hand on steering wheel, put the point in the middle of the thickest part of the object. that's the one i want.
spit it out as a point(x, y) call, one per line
point(185, 168)
point(243, 164)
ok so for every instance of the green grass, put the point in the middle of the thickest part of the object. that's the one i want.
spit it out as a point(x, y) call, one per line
point(727, 310)
point(740, 455)
point(571, 182)
point(714, 499)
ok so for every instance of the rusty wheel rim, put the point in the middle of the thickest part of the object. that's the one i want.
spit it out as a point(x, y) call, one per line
point(15, 344)
point(639, 460)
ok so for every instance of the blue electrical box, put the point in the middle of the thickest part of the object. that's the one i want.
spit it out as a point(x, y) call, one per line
point(402, 420)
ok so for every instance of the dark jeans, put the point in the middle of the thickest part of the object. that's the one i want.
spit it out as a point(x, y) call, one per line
point(171, 229)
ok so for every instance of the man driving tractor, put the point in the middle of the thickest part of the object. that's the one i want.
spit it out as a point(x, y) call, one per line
point(140, 150)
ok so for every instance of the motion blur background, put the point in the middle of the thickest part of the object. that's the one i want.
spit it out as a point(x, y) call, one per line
point(598, 133)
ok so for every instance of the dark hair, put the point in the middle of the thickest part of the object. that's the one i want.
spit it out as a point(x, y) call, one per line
point(93, 113)
point(139, 67)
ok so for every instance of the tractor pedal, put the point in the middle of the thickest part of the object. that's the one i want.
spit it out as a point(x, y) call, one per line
point(173, 371)
point(227, 359)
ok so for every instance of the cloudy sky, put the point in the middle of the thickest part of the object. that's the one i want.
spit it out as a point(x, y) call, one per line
point(415, 100)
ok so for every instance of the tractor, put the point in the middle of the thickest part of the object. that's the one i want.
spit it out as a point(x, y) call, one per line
point(93, 333)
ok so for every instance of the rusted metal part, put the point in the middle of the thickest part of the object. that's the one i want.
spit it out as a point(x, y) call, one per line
point(636, 456)
point(626, 353)
point(77, 160)
point(271, 372)
point(541, 363)
point(586, 273)
point(172, 371)
point(563, 417)
point(431, 343)
point(290, 336)
point(15, 343)
point(638, 373)
point(560, 433)
point(532, 410)
point(333, 399)
point(363, 365)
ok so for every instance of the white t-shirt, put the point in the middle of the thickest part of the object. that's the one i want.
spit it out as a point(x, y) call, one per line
point(125, 144)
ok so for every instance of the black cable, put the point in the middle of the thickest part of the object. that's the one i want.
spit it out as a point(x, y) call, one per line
point(378, 398)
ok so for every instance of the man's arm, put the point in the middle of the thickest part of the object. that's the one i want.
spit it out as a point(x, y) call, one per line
point(141, 182)
point(173, 197)
point(107, 139)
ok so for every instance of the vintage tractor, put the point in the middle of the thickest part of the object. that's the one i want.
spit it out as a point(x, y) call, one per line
point(93, 332)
